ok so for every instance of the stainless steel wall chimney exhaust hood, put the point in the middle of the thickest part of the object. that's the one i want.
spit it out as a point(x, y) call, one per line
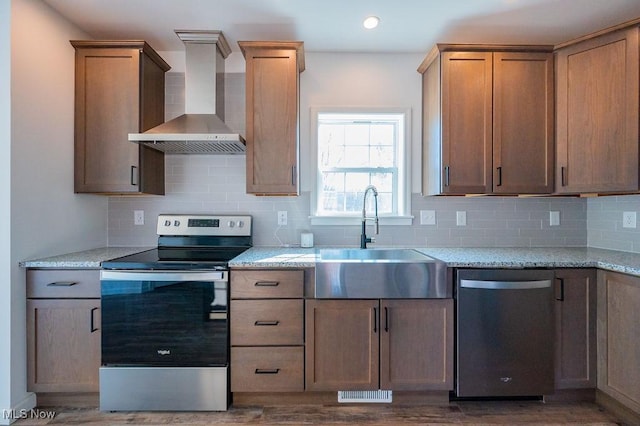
point(201, 130)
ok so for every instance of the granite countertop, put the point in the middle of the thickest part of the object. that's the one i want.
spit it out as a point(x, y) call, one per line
point(276, 257)
point(467, 257)
point(513, 257)
point(86, 259)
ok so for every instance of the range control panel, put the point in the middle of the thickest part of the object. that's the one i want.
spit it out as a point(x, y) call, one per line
point(213, 225)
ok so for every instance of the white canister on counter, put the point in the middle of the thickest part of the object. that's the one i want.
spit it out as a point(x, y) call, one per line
point(306, 239)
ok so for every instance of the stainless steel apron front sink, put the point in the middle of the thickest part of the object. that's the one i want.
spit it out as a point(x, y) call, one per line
point(380, 274)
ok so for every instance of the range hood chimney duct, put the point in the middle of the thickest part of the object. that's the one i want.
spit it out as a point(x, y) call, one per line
point(201, 130)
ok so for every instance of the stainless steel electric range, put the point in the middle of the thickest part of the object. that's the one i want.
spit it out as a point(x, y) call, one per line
point(165, 332)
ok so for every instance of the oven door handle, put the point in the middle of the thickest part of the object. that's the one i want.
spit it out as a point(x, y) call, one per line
point(120, 275)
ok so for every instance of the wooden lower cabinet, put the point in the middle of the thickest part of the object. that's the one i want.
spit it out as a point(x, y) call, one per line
point(619, 337)
point(575, 328)
point(416, 345)
point(267, 369)
point(379, 344)
point(342, 344)
point(266, 330)
point(63, 330)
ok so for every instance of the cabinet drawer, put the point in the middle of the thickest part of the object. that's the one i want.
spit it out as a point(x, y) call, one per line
point(61, 283)
point(267, 284)
point(266, 322)
point(267, 369)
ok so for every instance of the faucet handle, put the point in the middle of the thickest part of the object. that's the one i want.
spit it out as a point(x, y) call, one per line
point(371, 239)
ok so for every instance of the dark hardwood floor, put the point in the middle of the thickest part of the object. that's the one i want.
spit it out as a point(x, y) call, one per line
point(467, 413)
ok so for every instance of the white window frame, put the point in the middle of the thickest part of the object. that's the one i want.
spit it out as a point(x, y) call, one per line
point(403, 216)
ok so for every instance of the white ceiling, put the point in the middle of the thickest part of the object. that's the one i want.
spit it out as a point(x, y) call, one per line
point(336, 25)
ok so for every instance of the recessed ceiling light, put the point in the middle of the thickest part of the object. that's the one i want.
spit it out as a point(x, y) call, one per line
point(371, 22)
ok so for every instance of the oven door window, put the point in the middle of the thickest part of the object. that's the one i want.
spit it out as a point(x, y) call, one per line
point(164, 323)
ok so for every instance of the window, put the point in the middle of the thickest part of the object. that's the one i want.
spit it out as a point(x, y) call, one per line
point(356, 148)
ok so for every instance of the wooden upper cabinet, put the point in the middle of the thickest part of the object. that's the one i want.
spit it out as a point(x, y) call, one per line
point(272, 90)
point(119, 90)
point(597, 114)
point(488, 120)
point(523, 114)
point(466, 122)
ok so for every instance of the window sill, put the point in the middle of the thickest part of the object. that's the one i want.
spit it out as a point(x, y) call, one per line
point(342, 220)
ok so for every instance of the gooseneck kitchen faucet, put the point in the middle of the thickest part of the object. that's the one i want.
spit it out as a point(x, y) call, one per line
point(363, 237)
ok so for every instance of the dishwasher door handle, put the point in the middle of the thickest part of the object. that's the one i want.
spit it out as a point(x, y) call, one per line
point(504, 285)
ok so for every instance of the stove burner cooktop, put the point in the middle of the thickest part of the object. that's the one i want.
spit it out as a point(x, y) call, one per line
point(191, 242)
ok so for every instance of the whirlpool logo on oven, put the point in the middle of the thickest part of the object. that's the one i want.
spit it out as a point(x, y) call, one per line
point(163, 352)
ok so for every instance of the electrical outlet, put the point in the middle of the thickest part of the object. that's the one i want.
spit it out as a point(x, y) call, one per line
point(554, 218)
point(629, 219)
point(461, 218)
point(282, 217)
point(427, 217)
point(138, 217)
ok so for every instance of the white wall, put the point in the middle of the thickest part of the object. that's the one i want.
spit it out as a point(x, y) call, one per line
point(360, 79)
point(46, 216)
point(5, 208)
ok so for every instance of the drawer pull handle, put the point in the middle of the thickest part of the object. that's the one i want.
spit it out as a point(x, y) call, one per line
point(93, 327)
point(62, 284)
point(266, 323)
point(267, 370)
point(375, 320)
point(267, 284)
point(560, 298)
point(386, 319)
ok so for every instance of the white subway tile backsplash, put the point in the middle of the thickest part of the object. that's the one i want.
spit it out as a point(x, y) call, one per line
point(216, 184)
point(604, 223)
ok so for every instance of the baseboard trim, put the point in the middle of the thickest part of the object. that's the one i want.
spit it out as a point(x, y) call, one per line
point(243, 399)
point(9, 416)
point(68, 399)
point(626, 414)
point(572, 395)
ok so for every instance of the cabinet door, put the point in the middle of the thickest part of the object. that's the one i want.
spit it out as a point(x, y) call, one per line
point(597, 114)
point(416, 344)
point(575, 328)
point(342, 345)
point(118, 90)
point(523, 115)
point(272, 120)
point(107, 109)
point(619, 337)
point(63, 339)
point(466, 122)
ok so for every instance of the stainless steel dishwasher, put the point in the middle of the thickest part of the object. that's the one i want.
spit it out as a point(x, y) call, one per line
point(504, 333)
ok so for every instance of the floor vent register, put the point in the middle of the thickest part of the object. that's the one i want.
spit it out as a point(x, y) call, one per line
point(380, 396)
